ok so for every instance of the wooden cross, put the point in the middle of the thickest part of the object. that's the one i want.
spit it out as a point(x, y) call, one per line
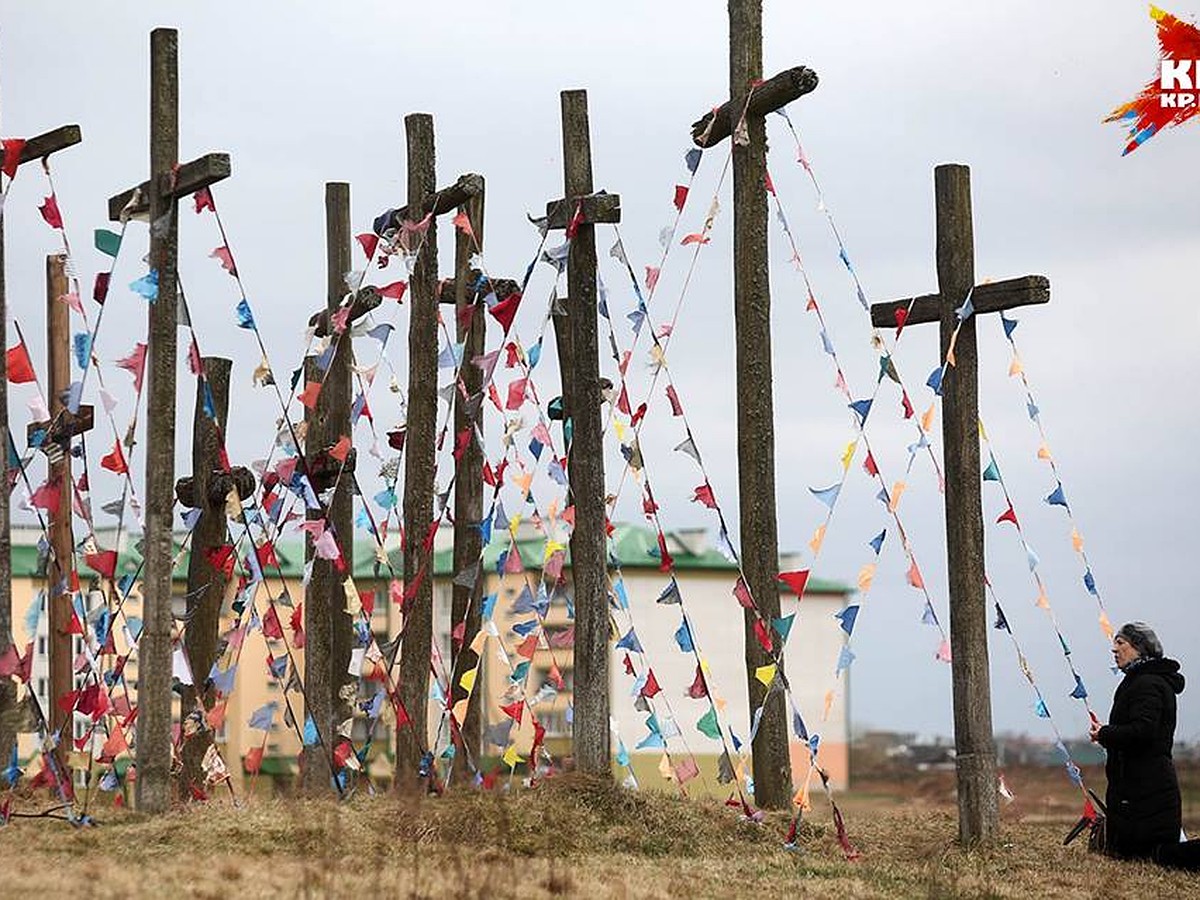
point(978, 815)
point(56, 436)
point(755, 410)
point(206, 489)
point(158, 199)
point(578, 212)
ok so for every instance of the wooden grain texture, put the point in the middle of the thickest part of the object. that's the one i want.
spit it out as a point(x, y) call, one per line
point(439, 203)
point(978, 811)
point(585, 460)
point(419, 458)
point(61, 661)
point(992, 296)
point(205, 582)
point(191, 177)
point(153, 789)
point(774, 93)
point(42, 145)
point(467, 591)
point(755, 407)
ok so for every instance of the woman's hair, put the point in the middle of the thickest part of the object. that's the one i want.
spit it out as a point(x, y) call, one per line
point(1141, 637)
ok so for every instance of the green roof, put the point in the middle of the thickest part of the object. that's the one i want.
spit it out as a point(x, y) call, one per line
point(633, 547)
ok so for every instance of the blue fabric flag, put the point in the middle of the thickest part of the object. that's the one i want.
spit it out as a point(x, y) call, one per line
point(798, 726)
point(1032, 557)
point(783, 626)
point(278, 666)
point(862, 409)
point(524, 629)
point(380, 332)
point(1001, 620)
point(223, 681)
point(1010, 325)
point(692, 159)
point(523, 605)
point(992, 472)
point(261, 717)
point(876, 543)
point(83, 348)
point(826, 343)
point(935, 380)
point(847, 617)
point(1040, 709)
point(1057, 497)
point(652, 741)
point(534, 354)
point(619, 590)
point(74, 397)
point(209, 407)
point(683, 637)
point(965, 311)
point(245, 318)
point(386, 499)
point(488, 606)
point(828, 495)
point(630, 642)
point(1089, 582)
point(670, 594)
point(310, 736)
point(519, 673)
point(928, 616)
point(845, 657)
point(1032, 409)
point(1080, 692)
point(146, 286)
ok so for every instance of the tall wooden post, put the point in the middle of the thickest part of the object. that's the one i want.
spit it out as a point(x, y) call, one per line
point(58, 352)
point(468, 483)
point(586, 457)
point(328, 626)
point(206, 583)
point(755, 413)
point(975, 757)
point(35, 148)
point(154, 647)
point(419, 454)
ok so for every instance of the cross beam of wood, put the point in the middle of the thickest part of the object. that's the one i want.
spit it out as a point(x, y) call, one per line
point(975, 757)
point(438, 203)
point(43, 145)
point(476, 286)
point(366, 300)
point(599, 208)
point(769, 96)
point(188, 178)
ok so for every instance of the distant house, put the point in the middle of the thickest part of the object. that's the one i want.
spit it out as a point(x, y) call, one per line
point(705, 581)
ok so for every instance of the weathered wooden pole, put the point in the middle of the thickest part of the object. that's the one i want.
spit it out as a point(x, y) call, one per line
point(468, 483)
point(62, 543)
point(35, 148)
point(58, 353)
point(975, 756)
point(419, 454)
point(585, 455)
point(154, 647)
point(206, 583)
point(329, 629)
point(755, 411)
point(158, 199)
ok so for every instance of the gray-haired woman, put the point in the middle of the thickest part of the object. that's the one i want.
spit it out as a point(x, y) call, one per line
point(1144, 809)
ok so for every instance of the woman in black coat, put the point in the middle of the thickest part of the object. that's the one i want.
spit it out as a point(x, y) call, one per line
point(1144, 808)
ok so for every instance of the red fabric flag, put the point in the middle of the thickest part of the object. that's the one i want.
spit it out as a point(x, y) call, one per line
point(704, 494)
point(104, 562)
point(309, 395)
point(100, 288)
point(914, 576)
point(769, 184)
point(742, 592)
point(135, 364)
point(224, 256)
point(576, 221)
point(681, 193)
point(47, 497)
point(676, 406)
point(514, 710)
point(504, 311)
point(50, 213)
point(368, 242)
point(114, 746)
point(795, 580)
point(115, 461)
point(12, 155)
point(695, 238)
point(252, 762)
point(638, 415)
point(516, 394)
point(628, 665)
point(667, 562)
point(20, 369)
point(203, 200)
point(394, 291)
point(908, 407)
point(901, 318)
point(220, 558)
point(271, 627)
point(698, 690)
point(267, 557)
point(341, 449)
point(869, 465)
point(764, 636)
point(650, 688)
point(1009, 515)
point(463, 223)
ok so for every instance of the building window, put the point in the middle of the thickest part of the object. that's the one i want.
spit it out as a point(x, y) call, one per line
point(42, 645)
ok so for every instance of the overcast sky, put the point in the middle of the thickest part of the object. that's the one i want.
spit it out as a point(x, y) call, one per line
point(301, 93)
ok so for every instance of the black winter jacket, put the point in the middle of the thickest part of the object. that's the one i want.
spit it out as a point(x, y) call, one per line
point(1144, 807)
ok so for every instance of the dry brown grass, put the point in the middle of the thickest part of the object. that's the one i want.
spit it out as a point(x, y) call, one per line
point(574, 837)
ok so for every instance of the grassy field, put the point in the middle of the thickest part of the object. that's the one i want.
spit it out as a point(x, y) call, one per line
point(574, 837)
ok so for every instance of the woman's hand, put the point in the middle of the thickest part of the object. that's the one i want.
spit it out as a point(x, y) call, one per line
point(1094, 730)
